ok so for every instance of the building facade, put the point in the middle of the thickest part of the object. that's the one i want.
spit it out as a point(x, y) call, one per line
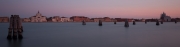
point(51, 19)
point(38, 18)
point(123, 19)
point(65, 19)
point(79, 18)
point(105, 19)
point(97, 19)
point(26, 20)
point(57, 18)
point(164, 17)
point(4, 19)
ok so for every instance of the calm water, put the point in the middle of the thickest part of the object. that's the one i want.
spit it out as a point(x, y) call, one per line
point(92, 35)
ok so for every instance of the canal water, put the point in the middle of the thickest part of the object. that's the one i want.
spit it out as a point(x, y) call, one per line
point(91, 35)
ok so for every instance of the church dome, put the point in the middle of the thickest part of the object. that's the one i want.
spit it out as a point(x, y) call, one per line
point(38, 14)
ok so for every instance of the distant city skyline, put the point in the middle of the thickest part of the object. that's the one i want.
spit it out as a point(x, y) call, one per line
point(91, 8)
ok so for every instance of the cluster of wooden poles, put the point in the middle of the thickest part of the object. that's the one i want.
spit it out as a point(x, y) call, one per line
point(15, 28)
point(126, 22)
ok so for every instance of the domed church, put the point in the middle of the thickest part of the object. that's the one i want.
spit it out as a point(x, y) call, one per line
point(38, 18)
point(164, 17)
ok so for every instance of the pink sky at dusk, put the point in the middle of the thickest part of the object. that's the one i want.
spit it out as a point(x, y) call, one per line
point(92, 8)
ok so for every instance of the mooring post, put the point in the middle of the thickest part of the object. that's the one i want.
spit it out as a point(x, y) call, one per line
point(126, 23)
point(157, 22)
point(83, 22)
point(161, 22)
point(9, 33)
point(19, 28)
point(115, 22)
point(134, 22)
point(10, 28)
point(145, 21)
point(15, 27)
point(100, 23)
point(175, 21)
point(22, 28)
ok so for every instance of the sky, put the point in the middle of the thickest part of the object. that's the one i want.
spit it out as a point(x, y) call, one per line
point(91, 8)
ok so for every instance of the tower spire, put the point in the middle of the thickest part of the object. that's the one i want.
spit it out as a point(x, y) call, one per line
point(38, 11)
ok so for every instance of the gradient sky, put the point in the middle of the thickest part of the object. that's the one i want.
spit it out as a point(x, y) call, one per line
point(91, 8)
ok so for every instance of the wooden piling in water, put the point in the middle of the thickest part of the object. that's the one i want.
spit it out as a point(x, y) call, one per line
point(100, 23)
point(175, 21)
point(83, 22)
point(157, 22)
point(15, 28)
point(19, 27)
point(115, 22)
point(10, 28)
point(134, 22)
point(161, 22)
point(145, 21)
point(126, 23)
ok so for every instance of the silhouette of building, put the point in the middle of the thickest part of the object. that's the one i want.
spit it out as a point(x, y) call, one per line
point(51, 19)
point(65, 19)
point(164, 17)
point(123, 19)
point(38, 18)
point(105, 19)
point(97, 19)
point(26, 20)
point(79, 18)
point(57, 18)
point(4, 19)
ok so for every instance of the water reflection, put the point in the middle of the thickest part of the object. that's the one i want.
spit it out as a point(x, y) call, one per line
point(14, 43)
point(126, 37)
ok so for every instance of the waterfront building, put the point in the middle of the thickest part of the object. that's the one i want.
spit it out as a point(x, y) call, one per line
point(105, 19)
point(151, 20)
point(4, 19)
point(97, 19)
point(57, 19)
point(123, 19)
point(175, 19)
point(79, 18)
point(143, 20)
point(65, 19)
point(178, 19)
point(164, 17)
point(38, 18)
point(26, 20)
point(113, 20)
point(51, 19)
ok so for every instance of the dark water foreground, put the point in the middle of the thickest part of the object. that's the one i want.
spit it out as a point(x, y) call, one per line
point(92, 35)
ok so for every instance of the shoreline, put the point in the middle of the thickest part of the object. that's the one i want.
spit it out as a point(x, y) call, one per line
point(53, 22)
